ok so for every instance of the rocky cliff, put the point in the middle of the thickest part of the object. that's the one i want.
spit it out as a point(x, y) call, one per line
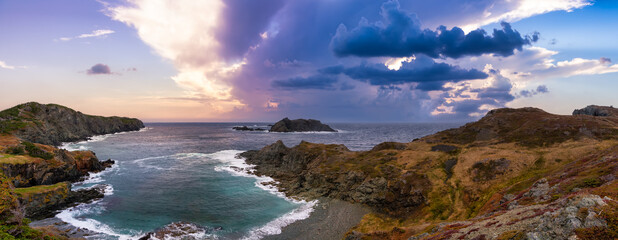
point(35, 176)
point(52, 124)
point(510, 174)
point(300, 125)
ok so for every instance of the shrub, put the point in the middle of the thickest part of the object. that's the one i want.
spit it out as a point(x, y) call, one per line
point(35, 151)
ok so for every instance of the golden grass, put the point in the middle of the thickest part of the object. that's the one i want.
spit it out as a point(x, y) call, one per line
point(23, 192)
point(17, 159)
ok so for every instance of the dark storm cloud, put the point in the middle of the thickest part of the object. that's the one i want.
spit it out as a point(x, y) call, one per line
point(400, 35)
point(312, 82)
point(378, 74)
point(99, 69)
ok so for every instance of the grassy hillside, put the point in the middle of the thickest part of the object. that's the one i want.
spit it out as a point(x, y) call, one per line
point(509, 160)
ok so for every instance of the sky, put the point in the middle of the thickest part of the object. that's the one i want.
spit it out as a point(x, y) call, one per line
point(333, 60)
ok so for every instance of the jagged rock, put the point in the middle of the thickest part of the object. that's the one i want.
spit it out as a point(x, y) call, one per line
point(74, 166)
point(245, 128)
point(180, 230)
point(539, 190)
point(43, 201)
point(300, 125)
point(297, 173)
point(594, 110)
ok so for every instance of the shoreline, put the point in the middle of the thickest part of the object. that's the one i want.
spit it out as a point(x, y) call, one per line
point(331, 219)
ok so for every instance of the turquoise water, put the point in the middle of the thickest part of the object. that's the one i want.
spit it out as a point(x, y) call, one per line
point(183, 172)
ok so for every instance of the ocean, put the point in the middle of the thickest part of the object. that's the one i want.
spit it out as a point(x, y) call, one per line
point(171, 172)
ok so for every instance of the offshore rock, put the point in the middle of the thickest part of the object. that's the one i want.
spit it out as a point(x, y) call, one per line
point(300, 125)
point(180, 230)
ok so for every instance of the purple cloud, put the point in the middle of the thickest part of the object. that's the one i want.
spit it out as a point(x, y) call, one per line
point(99, 69)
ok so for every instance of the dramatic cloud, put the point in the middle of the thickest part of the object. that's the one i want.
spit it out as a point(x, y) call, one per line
point(99, 69)
point(400, 35)
point(95, 33)
point(262, 60)
point(312, 82)
point(185, 32)
point(378, 74)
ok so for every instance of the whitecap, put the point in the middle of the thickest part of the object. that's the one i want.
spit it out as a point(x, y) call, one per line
point(275, 226)
point(72, 216)
point(237, 166)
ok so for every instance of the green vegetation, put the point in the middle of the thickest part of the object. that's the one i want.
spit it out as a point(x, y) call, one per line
point(35, 151)
point(40, 188)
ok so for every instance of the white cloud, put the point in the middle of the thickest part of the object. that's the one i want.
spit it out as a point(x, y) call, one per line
point(537, 64)
point(6, 66)
point(183, 32)
point(95, 33)
point(520, 9)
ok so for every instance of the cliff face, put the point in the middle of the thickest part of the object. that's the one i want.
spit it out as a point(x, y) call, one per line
point(53, 124)
point(300, 125)
point(496, 176)
point(35, 176)
point(27, 171)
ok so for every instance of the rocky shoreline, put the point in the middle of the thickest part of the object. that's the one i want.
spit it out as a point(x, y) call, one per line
point(509, 173)
point(36, 176)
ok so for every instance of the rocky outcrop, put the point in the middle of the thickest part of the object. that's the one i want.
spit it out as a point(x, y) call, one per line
point(299, 173)
point(44, 200)
point(65, 166)
point(53, 124)
point(245, 128)
point(594, 110)
point(300, 125)
point(180, 230)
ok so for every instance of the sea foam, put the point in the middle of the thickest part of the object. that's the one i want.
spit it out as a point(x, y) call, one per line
point(237, 166)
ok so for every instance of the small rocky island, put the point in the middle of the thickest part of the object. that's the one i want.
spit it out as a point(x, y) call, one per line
point(300, 125)
point(296, 125)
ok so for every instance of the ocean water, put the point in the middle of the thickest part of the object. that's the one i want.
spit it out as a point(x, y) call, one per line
point(170, 172)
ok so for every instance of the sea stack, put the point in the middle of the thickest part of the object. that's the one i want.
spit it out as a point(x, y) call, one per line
point(300, 125)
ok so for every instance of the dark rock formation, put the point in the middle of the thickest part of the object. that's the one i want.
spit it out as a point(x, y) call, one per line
point(180, 230)
point(300, 125)
point(65, 166)
point(245, 128)
point(298, 173)
point(53, 124)
point(594, 110)
point(44, 202)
